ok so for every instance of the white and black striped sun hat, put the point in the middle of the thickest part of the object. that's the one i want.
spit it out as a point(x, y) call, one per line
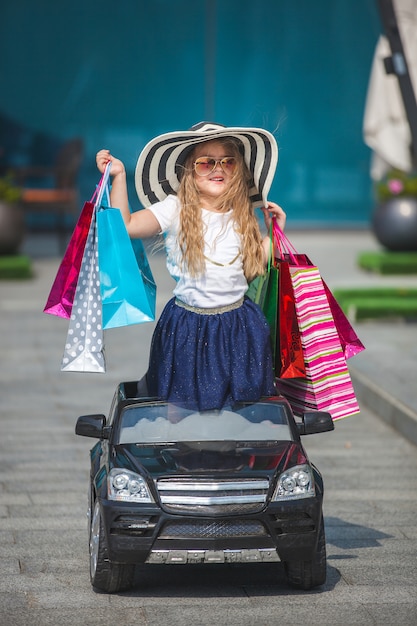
point(158, 169)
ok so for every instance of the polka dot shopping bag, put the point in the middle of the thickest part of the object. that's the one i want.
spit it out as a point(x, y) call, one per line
point(84, 347)
point(115, 287)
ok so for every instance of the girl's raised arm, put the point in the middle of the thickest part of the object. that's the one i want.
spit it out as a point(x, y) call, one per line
point(140, 224)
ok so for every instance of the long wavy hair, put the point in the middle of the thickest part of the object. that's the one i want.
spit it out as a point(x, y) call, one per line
point(236, 197)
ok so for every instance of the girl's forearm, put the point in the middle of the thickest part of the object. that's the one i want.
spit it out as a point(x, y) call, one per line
point(119, 197)
point(267, 249)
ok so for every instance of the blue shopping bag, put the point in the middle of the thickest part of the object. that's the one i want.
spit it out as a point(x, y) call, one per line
point(128, 290)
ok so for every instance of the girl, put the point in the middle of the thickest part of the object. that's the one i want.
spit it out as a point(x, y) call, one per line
point(211, 345)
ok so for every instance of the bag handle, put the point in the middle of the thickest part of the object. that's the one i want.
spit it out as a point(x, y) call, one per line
point(282, 242)
point(271, 248)
point(98, 186)
point(103, 186)
point(272, 243)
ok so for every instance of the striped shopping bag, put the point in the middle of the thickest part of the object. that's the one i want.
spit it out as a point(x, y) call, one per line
point(351, 344)
point(327, 384)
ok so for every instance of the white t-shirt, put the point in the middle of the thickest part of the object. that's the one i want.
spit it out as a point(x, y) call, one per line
point(220, 285)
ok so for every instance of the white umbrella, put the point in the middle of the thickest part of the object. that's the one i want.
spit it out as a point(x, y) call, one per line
point(385, 127)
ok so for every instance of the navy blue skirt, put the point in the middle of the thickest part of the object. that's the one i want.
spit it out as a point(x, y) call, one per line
point(208, 361)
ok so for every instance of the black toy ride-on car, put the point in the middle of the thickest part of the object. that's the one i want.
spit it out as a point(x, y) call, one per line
point(172, 485)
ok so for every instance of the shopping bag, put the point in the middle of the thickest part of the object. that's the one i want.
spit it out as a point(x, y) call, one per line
point(267, 291)
point(290, 363)
point(256, 289)
point(128, 290)
point(327, 385)
point(263, 290)
point(349, 340)
point(61, 296)
point(269, 306)
point(84, 348)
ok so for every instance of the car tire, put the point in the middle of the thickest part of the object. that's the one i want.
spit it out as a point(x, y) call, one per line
point(104, 574)
point(309, 574)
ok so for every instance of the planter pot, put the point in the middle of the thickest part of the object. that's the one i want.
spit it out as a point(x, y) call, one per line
point(12, 228)
point(395, 224)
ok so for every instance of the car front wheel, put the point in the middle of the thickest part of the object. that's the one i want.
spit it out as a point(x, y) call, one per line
point(309, 574)
point(105, 575)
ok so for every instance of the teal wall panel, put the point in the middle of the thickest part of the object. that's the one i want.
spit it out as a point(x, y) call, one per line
point(118, 73)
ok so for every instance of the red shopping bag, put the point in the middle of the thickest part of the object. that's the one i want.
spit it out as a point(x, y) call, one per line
point(290, 363)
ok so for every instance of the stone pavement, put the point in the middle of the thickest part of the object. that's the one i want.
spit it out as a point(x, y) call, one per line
point(370, 474)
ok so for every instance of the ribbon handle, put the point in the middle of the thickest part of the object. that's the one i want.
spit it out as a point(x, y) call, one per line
point(103, 187)
point(282, 242)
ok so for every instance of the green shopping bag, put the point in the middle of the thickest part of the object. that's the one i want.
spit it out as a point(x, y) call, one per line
point(263, 290)
point(269, 306)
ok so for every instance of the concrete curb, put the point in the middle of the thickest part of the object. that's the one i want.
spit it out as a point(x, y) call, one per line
point(390, 409)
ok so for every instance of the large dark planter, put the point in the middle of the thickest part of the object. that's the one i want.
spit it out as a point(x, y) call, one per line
point(395, 224)
point(12, 228)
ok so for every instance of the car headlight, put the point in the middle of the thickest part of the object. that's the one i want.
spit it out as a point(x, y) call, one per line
point(297, 482)
point(127, 486)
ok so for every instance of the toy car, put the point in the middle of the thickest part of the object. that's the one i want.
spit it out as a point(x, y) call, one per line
point(172, 485)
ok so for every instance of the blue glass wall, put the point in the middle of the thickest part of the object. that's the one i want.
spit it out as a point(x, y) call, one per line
point(118, 73)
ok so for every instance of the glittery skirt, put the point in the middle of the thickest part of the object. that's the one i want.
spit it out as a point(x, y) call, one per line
point(206, 361)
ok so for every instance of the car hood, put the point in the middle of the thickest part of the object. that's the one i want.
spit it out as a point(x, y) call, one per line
point(208, 457)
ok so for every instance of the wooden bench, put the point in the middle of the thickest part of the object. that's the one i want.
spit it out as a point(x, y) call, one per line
point(60, 197)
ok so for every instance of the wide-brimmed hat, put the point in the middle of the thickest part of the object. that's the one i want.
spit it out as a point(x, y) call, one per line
point(159, 166)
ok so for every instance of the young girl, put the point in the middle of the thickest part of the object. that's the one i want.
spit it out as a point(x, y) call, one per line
point(211, 345)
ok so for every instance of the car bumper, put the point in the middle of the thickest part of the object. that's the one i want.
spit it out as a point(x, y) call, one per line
point(282, 531)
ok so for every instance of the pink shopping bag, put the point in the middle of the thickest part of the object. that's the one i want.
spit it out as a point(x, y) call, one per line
point(61, 296)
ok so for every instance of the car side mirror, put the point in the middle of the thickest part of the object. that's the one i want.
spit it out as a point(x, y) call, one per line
point(315, 422)
point(92, 426)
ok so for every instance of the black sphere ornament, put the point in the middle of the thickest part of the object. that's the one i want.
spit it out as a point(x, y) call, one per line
point(394, 222)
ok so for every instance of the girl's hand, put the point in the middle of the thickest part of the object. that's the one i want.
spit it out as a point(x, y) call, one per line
point(270, 211)
point(103, 157)
point(274, 210)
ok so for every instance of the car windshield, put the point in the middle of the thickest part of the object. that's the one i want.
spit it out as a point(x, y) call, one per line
point(162, 422)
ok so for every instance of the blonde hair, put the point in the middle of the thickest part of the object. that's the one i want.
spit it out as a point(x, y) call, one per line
point(191, 231)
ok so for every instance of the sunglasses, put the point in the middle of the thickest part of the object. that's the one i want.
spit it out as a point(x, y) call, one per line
point(204, 166)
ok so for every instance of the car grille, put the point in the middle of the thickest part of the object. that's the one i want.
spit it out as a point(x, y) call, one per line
point(213, 530)
point(213, 496)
